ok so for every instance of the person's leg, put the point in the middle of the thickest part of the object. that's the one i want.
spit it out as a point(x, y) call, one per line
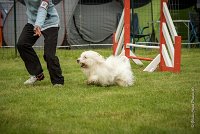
point(53, 65)
point(27, 53)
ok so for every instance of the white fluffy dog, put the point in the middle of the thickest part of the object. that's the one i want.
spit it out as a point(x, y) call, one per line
point(105, 72)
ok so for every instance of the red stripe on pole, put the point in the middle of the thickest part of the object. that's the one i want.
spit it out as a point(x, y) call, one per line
point(127, 26)
point(177, 54)
point(114, 47)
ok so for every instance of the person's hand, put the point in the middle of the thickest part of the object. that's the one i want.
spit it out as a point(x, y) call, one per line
point(37, 31)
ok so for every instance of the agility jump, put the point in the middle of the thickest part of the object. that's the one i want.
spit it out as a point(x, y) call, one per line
point(169, 57)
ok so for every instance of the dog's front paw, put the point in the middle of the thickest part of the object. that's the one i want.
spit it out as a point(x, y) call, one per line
point(92, 80)
point(89, 82)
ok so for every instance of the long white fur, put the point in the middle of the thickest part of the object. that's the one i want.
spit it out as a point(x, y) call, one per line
point(105, 72)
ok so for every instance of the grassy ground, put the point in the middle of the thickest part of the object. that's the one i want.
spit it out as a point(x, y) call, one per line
point(157, 103)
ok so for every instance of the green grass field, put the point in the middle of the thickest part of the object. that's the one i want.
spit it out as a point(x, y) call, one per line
point(159, 102)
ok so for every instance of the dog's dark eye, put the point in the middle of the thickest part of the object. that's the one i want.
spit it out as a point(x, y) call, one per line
point(85, 57)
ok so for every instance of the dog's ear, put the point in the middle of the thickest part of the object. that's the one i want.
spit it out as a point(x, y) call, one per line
point(99, 59)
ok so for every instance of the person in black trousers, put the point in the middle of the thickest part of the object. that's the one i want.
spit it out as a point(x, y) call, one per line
point(42, 20)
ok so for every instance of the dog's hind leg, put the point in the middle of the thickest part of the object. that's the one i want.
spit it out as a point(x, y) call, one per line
point(122, 83)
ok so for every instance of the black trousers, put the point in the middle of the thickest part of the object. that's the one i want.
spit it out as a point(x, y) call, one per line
point(30, 58)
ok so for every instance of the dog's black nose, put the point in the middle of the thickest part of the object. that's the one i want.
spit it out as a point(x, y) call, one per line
point(78, 61)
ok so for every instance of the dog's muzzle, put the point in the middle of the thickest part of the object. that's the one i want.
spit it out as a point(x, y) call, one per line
point(82, 64)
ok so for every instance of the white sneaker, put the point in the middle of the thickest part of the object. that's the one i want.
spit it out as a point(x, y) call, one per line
point(58, 85)
point(31, 80)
